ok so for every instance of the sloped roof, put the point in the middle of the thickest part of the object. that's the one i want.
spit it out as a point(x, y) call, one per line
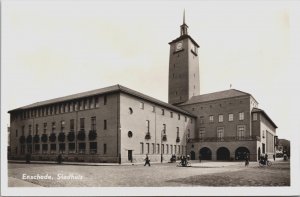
point(110, 89)
point(216, 96)
point(257, 110)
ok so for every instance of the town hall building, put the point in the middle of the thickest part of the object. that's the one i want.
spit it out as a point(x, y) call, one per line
point(120, 125)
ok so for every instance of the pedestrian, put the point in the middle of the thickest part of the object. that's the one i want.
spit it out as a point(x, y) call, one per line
point(147, 160)
point(274, 157)
point(246, 160)
point(200, 157)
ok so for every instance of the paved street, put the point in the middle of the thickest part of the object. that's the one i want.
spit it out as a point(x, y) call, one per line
point(158, 175)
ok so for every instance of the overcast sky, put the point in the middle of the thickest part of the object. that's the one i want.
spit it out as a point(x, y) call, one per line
point(53, 49)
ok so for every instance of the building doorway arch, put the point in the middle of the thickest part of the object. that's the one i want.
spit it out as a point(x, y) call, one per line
point(241, 152)
point(193, 157)
point(223, 154)
point(205, 153)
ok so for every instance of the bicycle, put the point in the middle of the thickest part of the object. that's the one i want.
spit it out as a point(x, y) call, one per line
point(265, 163)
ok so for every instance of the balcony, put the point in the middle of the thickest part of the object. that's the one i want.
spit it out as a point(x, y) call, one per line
point(225, 139)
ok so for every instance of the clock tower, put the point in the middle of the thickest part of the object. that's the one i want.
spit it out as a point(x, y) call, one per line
point(183, 67)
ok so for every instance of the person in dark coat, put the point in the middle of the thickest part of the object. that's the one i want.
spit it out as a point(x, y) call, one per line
point(147, 161)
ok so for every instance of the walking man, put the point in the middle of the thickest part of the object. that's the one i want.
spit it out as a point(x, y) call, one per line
point(147, 160)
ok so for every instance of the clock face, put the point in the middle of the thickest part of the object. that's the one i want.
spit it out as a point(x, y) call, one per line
point(178, 46)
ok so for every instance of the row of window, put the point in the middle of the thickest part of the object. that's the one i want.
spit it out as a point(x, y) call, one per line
point(59, 108)
point(221, 118)
point(241, 129)
point(165, 149)
point(164, 129)
point(62, 126)
point(45, 149)
point(162, 112)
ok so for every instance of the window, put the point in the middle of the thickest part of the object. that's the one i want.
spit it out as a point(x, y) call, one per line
point(211, 119)
point(171, 114)
point(147, 148)
point(57, 109)
point(254, 116)
point(141, 105)
point(164, 129)
point(53, 127)
point(81, 124)
point(29, 129)
point(71, 147)
point(93, 147)
point(105, 100)
point(167, 149)
point(230, 117)
point(142, 148)
point(62, 147)
point(177, 131)
point(23, 130)
point(93, 123)
point(62, 126)
point(178, 116)
point(148, 126)
point(104, 149)
point(201, 133)
point(86, 104)
point(52, 148)
point(45, 127)
point(44, 148)
point(240, 132)
point(201, 120)
point(263, 148)
point(130, 110)
point(92, 104)
point(153, 148)
point(96, 102)
point(185, 118)
point(220, 118)
point(162, 112)
point(153, 108)
point(36, 129)
point(62, 108)
point(220, 133)
point(175, 149)
point(157, 148)
point(81, 148)
point(76, 105)
point(105, 124)
point(71, 107)
point(171, 148)
point(241, 115)
point(72, 125)
point(67, 107)
point(81, 104)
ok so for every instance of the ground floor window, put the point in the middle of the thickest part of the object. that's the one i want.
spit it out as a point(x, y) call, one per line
point(37, 148)
point(22, 149)
point(104, 148)
point(62, 147)
point(171, 147)
point(71, 147)
point(81, 147)
point(29, 148)
point(157, 149)
point(93, 147)
point(44, 148)
point(52, 148)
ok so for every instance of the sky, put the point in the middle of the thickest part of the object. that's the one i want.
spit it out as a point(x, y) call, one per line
point(58, 48)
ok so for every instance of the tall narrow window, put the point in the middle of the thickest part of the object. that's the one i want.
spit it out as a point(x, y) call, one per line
point(147, 148)
point(141, 105)
point(202, 133)
point(105, 100)
point(142, 148)
point(36, 129)
point(45, 127)
point(67, 107)
point(29, 129)
point(153, 148)
point(148, 126)
point(53, 127)
point(220, 133)
point(178, 116)
point(171, 114)
point(71, 107)
point(164, 129)
point(201, 119)
point(105, 125)
point(177, 132)
point(72, 125)
point(230, 117)
point(92, 104)
point(254, 116)
point(241, 115)
point(240, 132)
point(162, 112)
point(104, 149)
point(96, 102)
point(81, 124)
point(62, 126)
point(93, 123)
point(220, 118)
point(211, 119)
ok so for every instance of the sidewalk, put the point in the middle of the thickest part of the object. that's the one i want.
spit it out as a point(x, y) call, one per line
point(68, 163)
point(14, 182)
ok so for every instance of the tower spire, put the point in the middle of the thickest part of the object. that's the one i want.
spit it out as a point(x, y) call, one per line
point(183, 27)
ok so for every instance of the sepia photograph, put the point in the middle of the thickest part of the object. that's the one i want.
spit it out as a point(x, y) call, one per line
point(159, 98)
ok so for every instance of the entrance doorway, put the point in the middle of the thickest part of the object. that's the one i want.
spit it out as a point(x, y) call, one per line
point(223, 154)
point(130, 155)
point(241, 152)
point(205, 153)
point(193, 155)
